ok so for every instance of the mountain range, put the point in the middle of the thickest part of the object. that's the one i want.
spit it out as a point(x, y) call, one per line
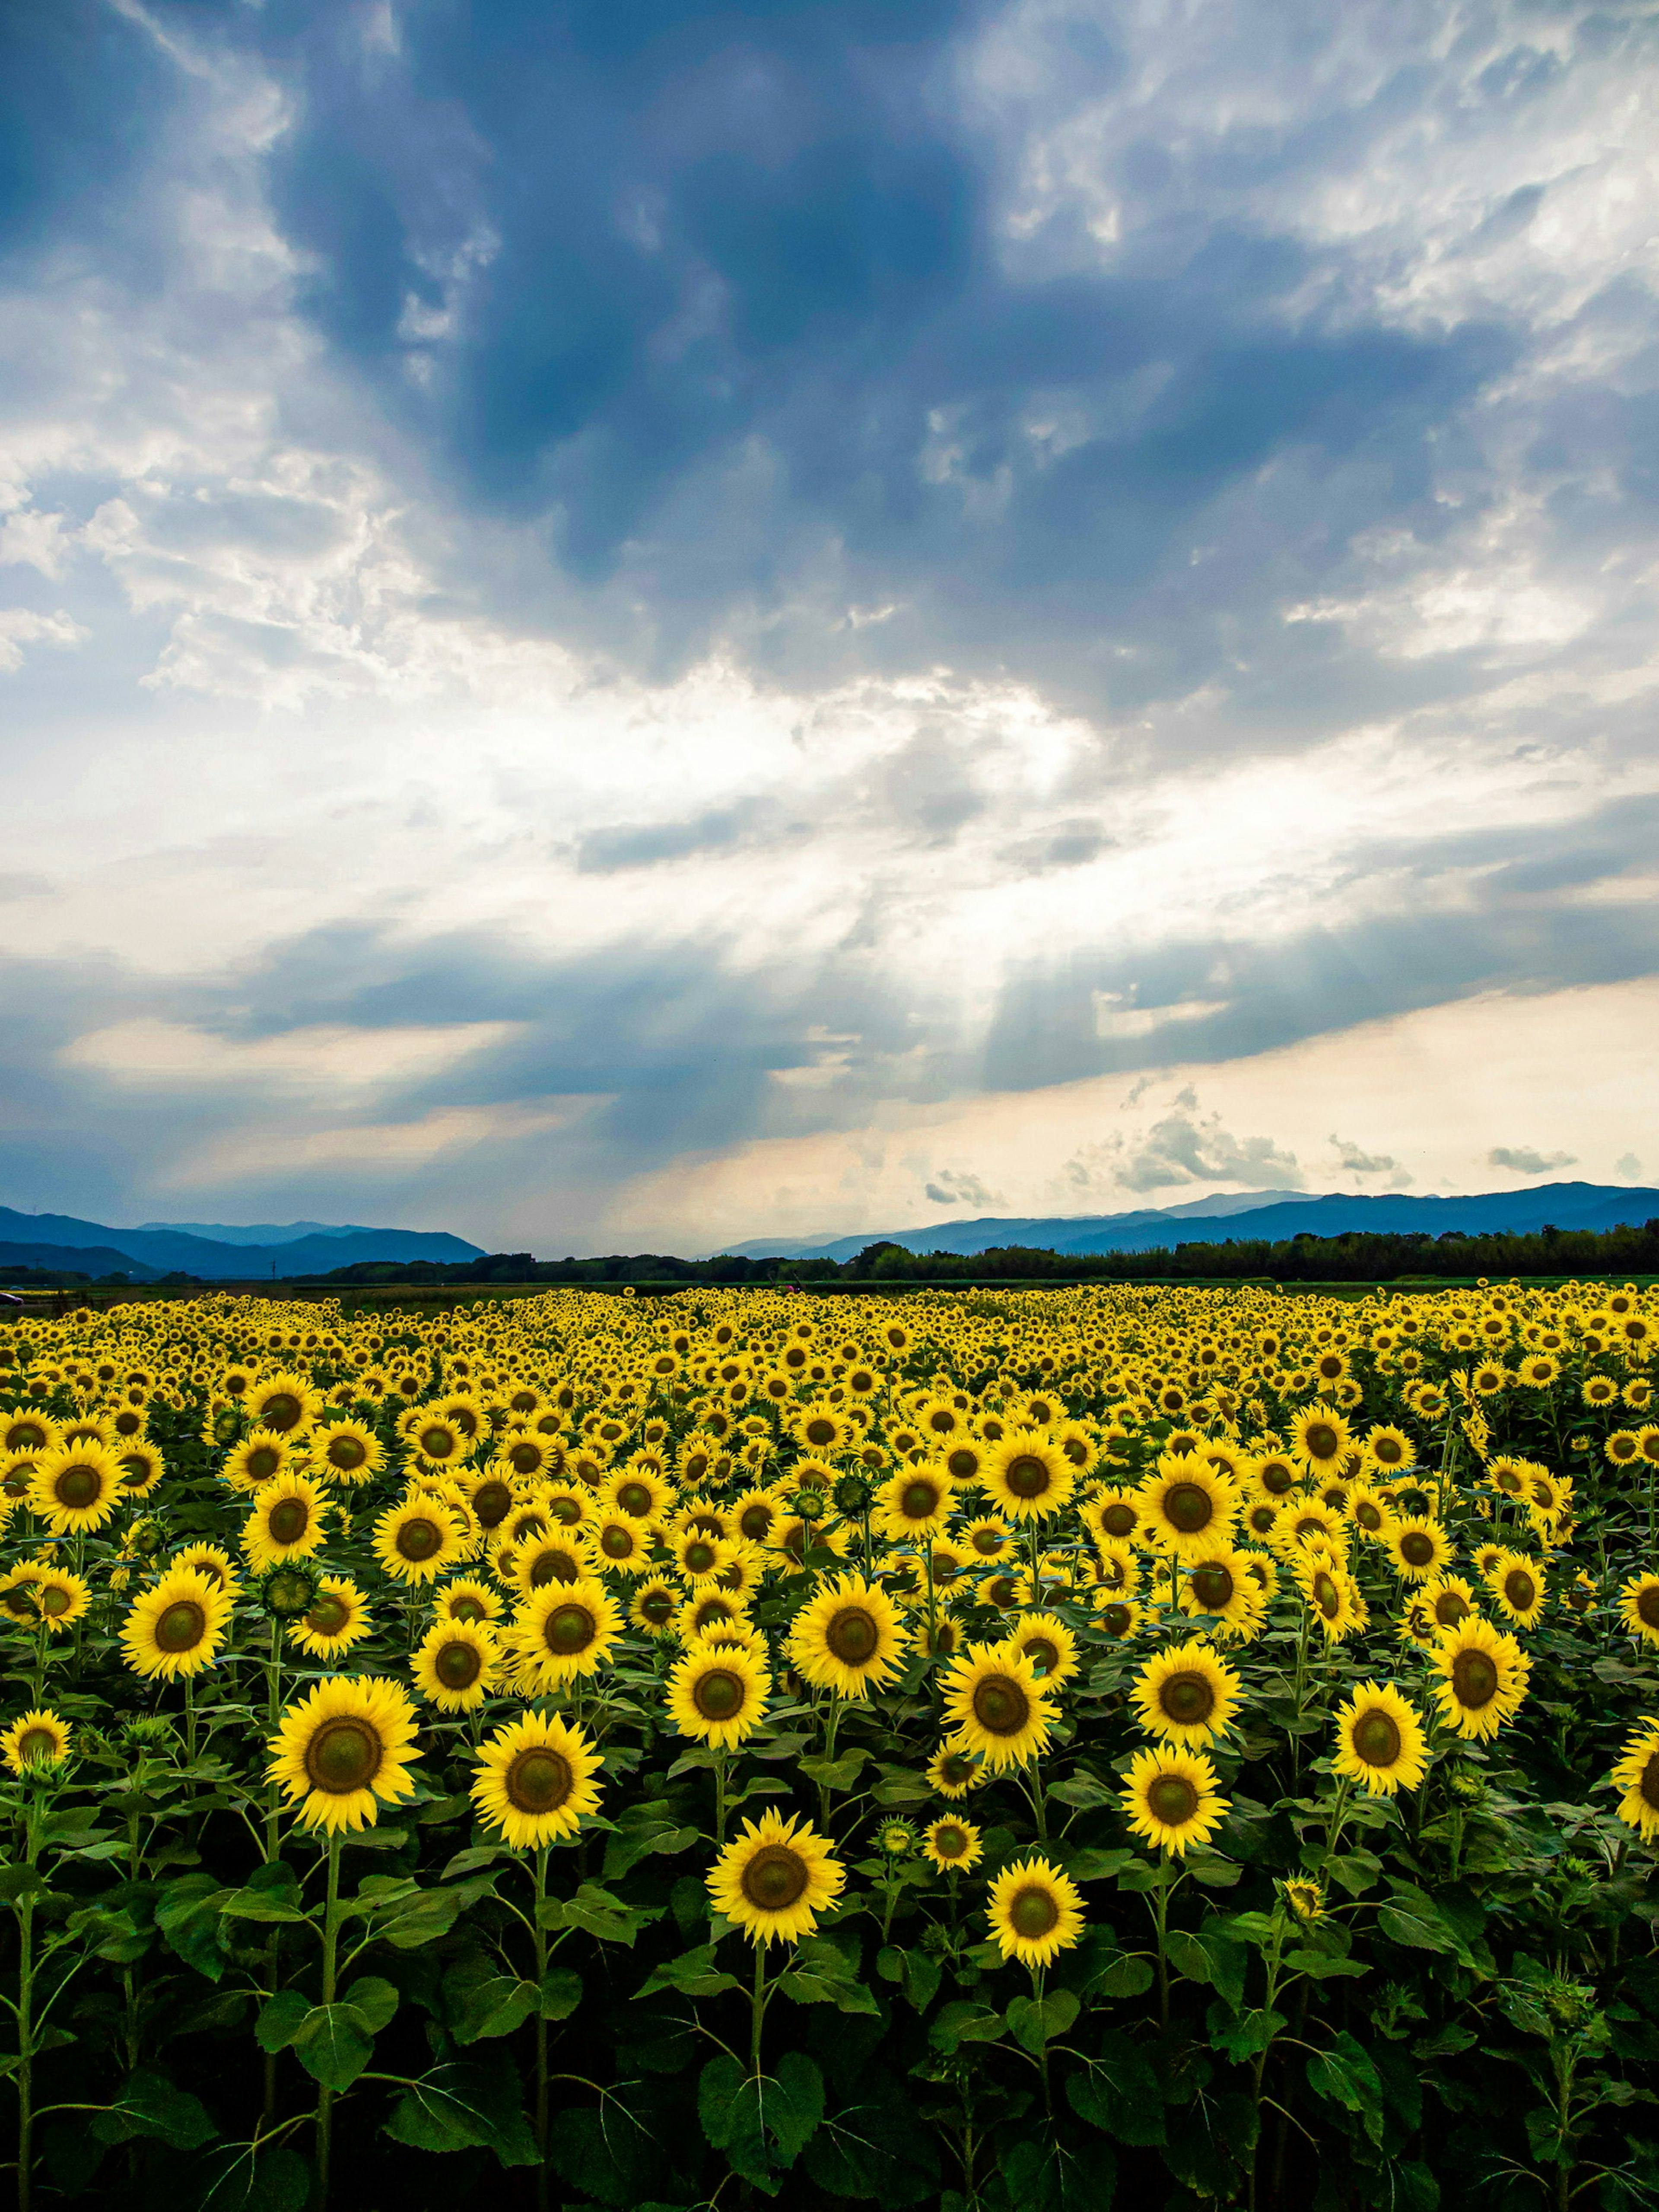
point(213, 1251)
point(1273, 1215)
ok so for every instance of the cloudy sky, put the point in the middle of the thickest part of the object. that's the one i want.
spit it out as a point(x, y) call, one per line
point(628, 626)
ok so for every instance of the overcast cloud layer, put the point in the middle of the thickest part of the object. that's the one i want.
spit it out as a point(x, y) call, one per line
point(650, 623)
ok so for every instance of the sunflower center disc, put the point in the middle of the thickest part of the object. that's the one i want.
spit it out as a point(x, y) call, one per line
point(1649, 1785)
point(1027, 1477)
point(437, 1443)
point(949, 1843)
point(1322, 1441)
point(418, 1540)
point(775, 1878)
point(659, 1606)
point(570, 1629)
point(1474, 1678)
point(78, 1487)
point(1115, 1618)
point(281, 1411)
point(1033, 1913)
point(1213, 1588)
point(289, 1520)
point(1327, 1597)
point(853, 1636)
point(1001, 1706)
point(1188, 1508)
point(1172, 1800)
point(1647, 1606)
point(263, 1462)
point(39, 1743)
point(1376, 1738)
point(699, 1559)
point(347, 1452)
point(718, 1695)
point(1119, 1520)
point(344, 1755)
point(636, 1500)
point(327, 1617)
point(1521, 1590)
point(459, 1666)
point(54, 1600)
point(1042, 1655)
point(1416, 1549)
point(819, 1433)
point(962, 1463)
point(492, 1501)
point(918, 1501)
point(617, 1543)
point(566, 1512)
point(1187, 1699)
point(1449, 1609)
point(181, 1627)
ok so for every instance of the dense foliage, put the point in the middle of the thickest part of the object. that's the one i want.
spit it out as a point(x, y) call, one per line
point(1357, 1256)
point(996, 1751)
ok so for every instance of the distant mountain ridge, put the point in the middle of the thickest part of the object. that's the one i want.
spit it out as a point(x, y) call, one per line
point(163, 1248)
point(1272, 1215)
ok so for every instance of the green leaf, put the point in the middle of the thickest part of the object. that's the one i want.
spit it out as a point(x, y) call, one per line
point(493, 2007)
point(1081, 1790)
point(917, 1972)
point(835, 1773)
point(374, 2000)
point(1119, 2093)
point(333, 2043)
point(1409, 1923)
point(1209, 1957)
point(261, 1904)
point(1128, 1976)
point(560, 1993)
point(693, 1974)
point(150, 2104)
point(463, 2107)
point(1345, 2076)
point(188, 1916)
point(1239, 2036)
point(791, 2103)
point(1035, 2022)
point(961, 2023)
point(644, 1830)
point(596, 1912)
point(280, 2020)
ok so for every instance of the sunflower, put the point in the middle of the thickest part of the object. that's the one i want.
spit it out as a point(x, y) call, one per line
point(455, 1664)
point(535, 1781)
point(915, 1503)
point(464, 1598)
point(848, 1638)
point(1187, 1694)
point(567, 1629)
point(1380, 1739)
point(1035, 1913)
point(490, 1496)
point(989, 1540)
point(1638, 1606)
point(1419, 1546)
point(177, 1626)
point(1048, 1643)
point(337, 1618)
point(953, 1845)
point(142, 1467)
point(700, 1559)
point(1391, 1450)
point(76, 1487)
point(1189, 1508)
point(40, 1740)
point(417, 1540)
point(1637, 1775)
point(1517, 1583)
point(757, 1512)
point(436, 1440)
point(343, 1750)
point(821, 1428)
point(1028, 1475)
point(718, 1694)
point(1218, 1584)
point(622, 1545)
point(349, 1450)
point(1331, 1595)
point(1119, 1618)
point(288, 1520)
point(997, 1707)
point(1173, 1798)
point(775, 1878)
point(653, 1606)
point(1319, 1437)
point(1483, 1674)
point(1449, 1599)
point(1304, 1899)
point(287, 1403)
point(705, 1610)
point(29, 1432)
point(953, 1773)
point(639, 1490)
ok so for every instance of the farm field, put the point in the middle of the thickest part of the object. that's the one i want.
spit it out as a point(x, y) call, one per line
point(978, 1750)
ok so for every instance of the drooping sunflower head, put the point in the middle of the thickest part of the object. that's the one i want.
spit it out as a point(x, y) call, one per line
point(848, 1638)
point(717, 1694)
point(1173, 1798)
point(1381, 1743)
point(344, 1749)
point(1304, 1899)
point(1034, 1911)
point(176, 1628)
point(775, 1878)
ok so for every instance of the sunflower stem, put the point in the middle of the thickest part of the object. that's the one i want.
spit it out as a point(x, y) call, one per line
point(330, 1951)
point(24, 1909)
point(757, 2011)
point(541, 2032)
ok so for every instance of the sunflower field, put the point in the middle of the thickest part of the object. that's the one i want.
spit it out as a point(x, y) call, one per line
point(1044, 1750)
